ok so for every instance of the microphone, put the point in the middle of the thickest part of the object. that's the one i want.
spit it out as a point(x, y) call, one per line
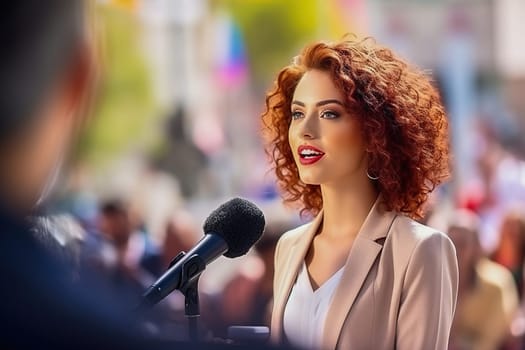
point(231, 229)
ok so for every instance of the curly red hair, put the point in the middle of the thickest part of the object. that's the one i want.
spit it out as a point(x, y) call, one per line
point(401, 115)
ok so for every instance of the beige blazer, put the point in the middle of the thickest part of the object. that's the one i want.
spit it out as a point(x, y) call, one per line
point(398, 289)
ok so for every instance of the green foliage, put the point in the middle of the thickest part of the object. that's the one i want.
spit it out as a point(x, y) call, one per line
point(125, 103)
point(273, 31)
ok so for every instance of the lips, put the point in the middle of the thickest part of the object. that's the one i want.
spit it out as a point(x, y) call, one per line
point(309, 154)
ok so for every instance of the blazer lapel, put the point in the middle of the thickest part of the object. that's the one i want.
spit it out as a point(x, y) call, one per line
point(363, 253)
point(294, 261)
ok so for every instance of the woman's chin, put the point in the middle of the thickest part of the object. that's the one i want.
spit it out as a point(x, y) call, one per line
point(310, 180)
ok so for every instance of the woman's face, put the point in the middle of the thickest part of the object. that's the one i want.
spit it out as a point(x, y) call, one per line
point(324, 136)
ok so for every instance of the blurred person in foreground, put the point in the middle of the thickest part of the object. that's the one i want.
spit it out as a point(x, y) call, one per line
point(359, 139)
point(487, 296)
point(48, 72)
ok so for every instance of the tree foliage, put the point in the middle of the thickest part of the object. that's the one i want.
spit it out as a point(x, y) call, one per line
point(125, 105)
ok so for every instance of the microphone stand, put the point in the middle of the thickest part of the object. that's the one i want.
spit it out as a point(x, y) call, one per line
point(191, 272)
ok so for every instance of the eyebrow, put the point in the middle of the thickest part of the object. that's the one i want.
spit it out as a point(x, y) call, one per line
point(320, 103)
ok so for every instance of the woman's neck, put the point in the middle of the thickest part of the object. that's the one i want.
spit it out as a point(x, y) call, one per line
point(346, 207)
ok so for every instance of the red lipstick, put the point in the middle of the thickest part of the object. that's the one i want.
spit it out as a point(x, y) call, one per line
point(309, 154)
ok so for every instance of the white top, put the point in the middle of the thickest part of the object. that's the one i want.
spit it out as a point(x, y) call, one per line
point(306, 309)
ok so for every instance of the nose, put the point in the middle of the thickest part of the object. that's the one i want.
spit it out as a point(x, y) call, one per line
point(308, 127)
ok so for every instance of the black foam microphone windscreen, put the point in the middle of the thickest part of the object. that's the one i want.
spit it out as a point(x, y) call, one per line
point(239, 222)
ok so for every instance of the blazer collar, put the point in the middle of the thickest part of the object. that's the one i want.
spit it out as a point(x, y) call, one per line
point(365, 249)
point(363, 253)
point(295, 257)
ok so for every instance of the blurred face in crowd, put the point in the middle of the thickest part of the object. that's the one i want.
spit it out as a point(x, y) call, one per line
point(511, 230)
point(116, 227)
point(467, 248)
point(325, 137)
point(512, 241)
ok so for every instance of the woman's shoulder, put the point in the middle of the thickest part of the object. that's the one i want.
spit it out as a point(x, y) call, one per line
point(413, 237)
point(423, 255)
point(288, 239)
point(291, 236)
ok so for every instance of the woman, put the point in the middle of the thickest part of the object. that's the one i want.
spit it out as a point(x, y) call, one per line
point(359, 139)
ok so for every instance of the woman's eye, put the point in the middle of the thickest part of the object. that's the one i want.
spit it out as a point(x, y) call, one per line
point(329, 115)
point(296, 115)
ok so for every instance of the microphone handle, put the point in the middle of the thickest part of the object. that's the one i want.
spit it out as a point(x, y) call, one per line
point(209, 248)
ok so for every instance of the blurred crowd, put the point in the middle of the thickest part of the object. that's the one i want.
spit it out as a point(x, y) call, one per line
point(486, 222)
point(111, 236)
